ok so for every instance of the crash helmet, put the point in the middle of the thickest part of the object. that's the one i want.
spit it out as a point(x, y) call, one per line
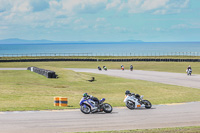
point(85, 95)
point(127, 92)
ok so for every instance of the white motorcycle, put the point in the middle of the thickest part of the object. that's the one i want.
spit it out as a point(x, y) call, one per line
point(189, 71)
point(136, 101)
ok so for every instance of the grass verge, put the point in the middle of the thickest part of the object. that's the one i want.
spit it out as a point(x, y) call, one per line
point(195, 129)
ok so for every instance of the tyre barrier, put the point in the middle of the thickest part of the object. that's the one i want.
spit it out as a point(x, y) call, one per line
point(44, 72)
point(110, 60)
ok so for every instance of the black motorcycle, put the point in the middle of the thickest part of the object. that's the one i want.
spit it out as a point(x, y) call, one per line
point(99, 68)
point(131, 68)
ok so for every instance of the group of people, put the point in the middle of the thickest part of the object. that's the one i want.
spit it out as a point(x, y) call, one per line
point(122, 67)
point(131, 67)
point(104, 67)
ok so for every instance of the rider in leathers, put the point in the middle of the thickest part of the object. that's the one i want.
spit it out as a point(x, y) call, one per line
point(96, 100)
point(127, 92)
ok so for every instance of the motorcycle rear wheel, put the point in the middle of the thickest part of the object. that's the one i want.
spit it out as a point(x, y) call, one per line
point(107, 108)
point(86, 109)
point(147, 104)
point(130, 105)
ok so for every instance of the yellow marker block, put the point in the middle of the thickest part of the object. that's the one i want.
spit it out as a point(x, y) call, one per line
point(63, 101)
point(56, 101)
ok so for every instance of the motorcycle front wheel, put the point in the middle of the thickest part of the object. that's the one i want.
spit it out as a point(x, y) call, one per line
point(107, 108)
point(130, 105)
point(147, 104)
point(85, 109)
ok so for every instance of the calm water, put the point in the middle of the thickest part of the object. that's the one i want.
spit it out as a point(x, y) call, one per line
point(114, 49)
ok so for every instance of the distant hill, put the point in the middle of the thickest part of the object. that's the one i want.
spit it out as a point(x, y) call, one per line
point(21, 41)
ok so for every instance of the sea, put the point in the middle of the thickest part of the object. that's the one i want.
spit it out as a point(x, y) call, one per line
point(102, 49)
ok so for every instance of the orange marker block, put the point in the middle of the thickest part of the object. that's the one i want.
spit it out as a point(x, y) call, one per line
point(56, 101)
point(63, 101)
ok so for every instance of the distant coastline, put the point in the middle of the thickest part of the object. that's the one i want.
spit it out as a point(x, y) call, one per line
point(101, 49)
point(22, 41)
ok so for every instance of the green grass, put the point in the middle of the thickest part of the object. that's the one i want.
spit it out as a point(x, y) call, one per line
point(25, 90)
point(178, 67)
point(195, 129)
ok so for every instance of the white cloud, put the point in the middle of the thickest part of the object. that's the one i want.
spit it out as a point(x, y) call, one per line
point(78, 20)
point(3, 27)
point(4, 5)
point(100, 19)
point(162, 11)
point(195, 25)
point(191, 25)
point(21, 6)
point(158, 29)
point(81, 27)
point(113, 4)
point(121, 29)
point(155, 6)
point(179, 26)
point(83, 6)
point(78, 14)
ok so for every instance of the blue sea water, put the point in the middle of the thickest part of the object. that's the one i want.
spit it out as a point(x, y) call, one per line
point(103, 49)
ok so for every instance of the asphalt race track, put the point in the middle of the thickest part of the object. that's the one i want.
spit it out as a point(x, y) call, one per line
point(60, 121)
point(179, 79)
point(159, 116)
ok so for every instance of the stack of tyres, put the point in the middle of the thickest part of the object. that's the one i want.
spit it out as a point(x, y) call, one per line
point(44, 72)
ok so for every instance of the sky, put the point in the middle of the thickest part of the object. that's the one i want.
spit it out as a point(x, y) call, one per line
point(101, 20)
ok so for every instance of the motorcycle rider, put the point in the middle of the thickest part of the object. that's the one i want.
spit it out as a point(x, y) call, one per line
point(189, 68)
point(96, 100)
point(122, 67)
point(128, 93)
point(99, 68)
point(104, 67)
point(131, 67)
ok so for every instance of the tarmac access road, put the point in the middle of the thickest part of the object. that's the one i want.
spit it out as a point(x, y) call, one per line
point(179, 79)
point(160, 116)
point(13, 68)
